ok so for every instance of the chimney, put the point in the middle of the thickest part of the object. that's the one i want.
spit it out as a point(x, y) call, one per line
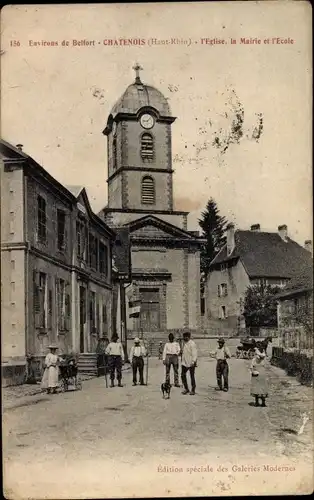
point(20, 147)
point(308, 246)
point(283, 232)
point(230, 238)
point(256, 227)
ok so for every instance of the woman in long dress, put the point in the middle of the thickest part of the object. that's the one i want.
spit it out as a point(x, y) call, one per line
point(259, 385)
point(50, 380)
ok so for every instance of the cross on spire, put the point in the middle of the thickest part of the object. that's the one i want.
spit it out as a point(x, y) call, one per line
point(137, 68)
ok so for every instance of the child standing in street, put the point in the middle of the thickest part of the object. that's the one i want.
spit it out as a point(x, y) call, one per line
point(115, 354)
point(222, 354)
point(259, 386)
point(50, 380)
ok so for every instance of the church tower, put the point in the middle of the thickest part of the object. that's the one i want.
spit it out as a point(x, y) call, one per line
point(165, 256)
point(139, 150)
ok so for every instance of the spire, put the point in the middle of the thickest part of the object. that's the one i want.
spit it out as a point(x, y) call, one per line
point(137, 68)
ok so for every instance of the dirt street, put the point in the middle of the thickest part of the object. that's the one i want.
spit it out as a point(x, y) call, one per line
point(130, 442)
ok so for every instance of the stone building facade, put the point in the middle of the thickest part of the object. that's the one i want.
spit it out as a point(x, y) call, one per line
point(165, 255)
point(56, 271)
point(250, 257)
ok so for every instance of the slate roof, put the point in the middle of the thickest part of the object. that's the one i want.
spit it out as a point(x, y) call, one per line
point(121, 250)
point(300, 283)
point(266, 255)
point(139, 95)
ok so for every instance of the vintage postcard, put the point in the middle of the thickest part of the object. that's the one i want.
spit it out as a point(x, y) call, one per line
point(156, 249)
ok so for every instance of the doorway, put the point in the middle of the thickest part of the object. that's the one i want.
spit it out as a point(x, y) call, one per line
point(150, 310)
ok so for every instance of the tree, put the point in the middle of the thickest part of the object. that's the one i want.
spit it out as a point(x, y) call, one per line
point(213, 227)
point(260, 306)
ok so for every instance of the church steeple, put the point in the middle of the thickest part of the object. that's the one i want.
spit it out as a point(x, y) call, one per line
point(139, 149)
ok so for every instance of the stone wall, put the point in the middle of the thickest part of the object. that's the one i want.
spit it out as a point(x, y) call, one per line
point(296, 363)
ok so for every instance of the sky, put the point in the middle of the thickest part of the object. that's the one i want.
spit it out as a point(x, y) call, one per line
point(55, 99)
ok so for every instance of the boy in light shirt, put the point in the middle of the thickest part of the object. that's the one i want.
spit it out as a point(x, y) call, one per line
point(171, 358)
point(222, 353)
point(189, 363)
point(116, 357)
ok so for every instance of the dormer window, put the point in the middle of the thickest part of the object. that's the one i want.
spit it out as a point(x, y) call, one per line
point(148, 191)
point(147, 147)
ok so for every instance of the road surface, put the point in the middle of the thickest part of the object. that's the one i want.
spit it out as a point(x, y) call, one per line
point(130, 442)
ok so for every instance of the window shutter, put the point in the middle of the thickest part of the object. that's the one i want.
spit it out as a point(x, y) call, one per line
point(147, 146)
point(218, 290)
point(67, 308)
point(52, 226)
point(36, 296)
point(148, 191)
point(104, 319)
point(50, 302)
point(58, 309)
point(97, 315)
point(66, 230)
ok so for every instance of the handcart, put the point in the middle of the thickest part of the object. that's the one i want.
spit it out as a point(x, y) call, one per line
point(68, 371)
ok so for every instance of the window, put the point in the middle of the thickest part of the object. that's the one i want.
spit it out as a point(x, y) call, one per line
point(222, 312)
point(148, 191)
point(81, 239)
point(61, 229)
point(147, 147)
point(41, 219)
point(93, 252)
point(222, 290)
point(103, 258)
point(202, 306)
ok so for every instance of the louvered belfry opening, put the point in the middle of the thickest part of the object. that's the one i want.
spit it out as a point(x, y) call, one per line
point(147, 147)
point(148, 190)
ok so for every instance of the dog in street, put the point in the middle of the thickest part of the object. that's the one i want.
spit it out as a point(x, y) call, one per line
point(166, 389)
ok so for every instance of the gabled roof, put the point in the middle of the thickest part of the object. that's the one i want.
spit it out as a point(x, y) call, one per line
point(166, 227)
point(81, 194)
point(75, 190)
point(9, 152)
point(266, 255)
point(30, 166)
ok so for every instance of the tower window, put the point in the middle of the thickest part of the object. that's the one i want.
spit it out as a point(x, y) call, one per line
point(147, 147)
point(148, 191)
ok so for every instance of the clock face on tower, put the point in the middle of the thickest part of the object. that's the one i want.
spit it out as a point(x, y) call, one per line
point(147, 121)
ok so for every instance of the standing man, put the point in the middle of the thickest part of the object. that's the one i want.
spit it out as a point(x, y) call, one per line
point(222, 353)
point(115, 354)
point(137, 354)
point(189, 362)
point(170, 358)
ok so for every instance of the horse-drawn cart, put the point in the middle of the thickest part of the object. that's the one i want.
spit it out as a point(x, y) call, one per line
point(246, 349)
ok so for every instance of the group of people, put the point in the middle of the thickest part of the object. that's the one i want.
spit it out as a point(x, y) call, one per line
point(171, 354)
point(172, 351)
